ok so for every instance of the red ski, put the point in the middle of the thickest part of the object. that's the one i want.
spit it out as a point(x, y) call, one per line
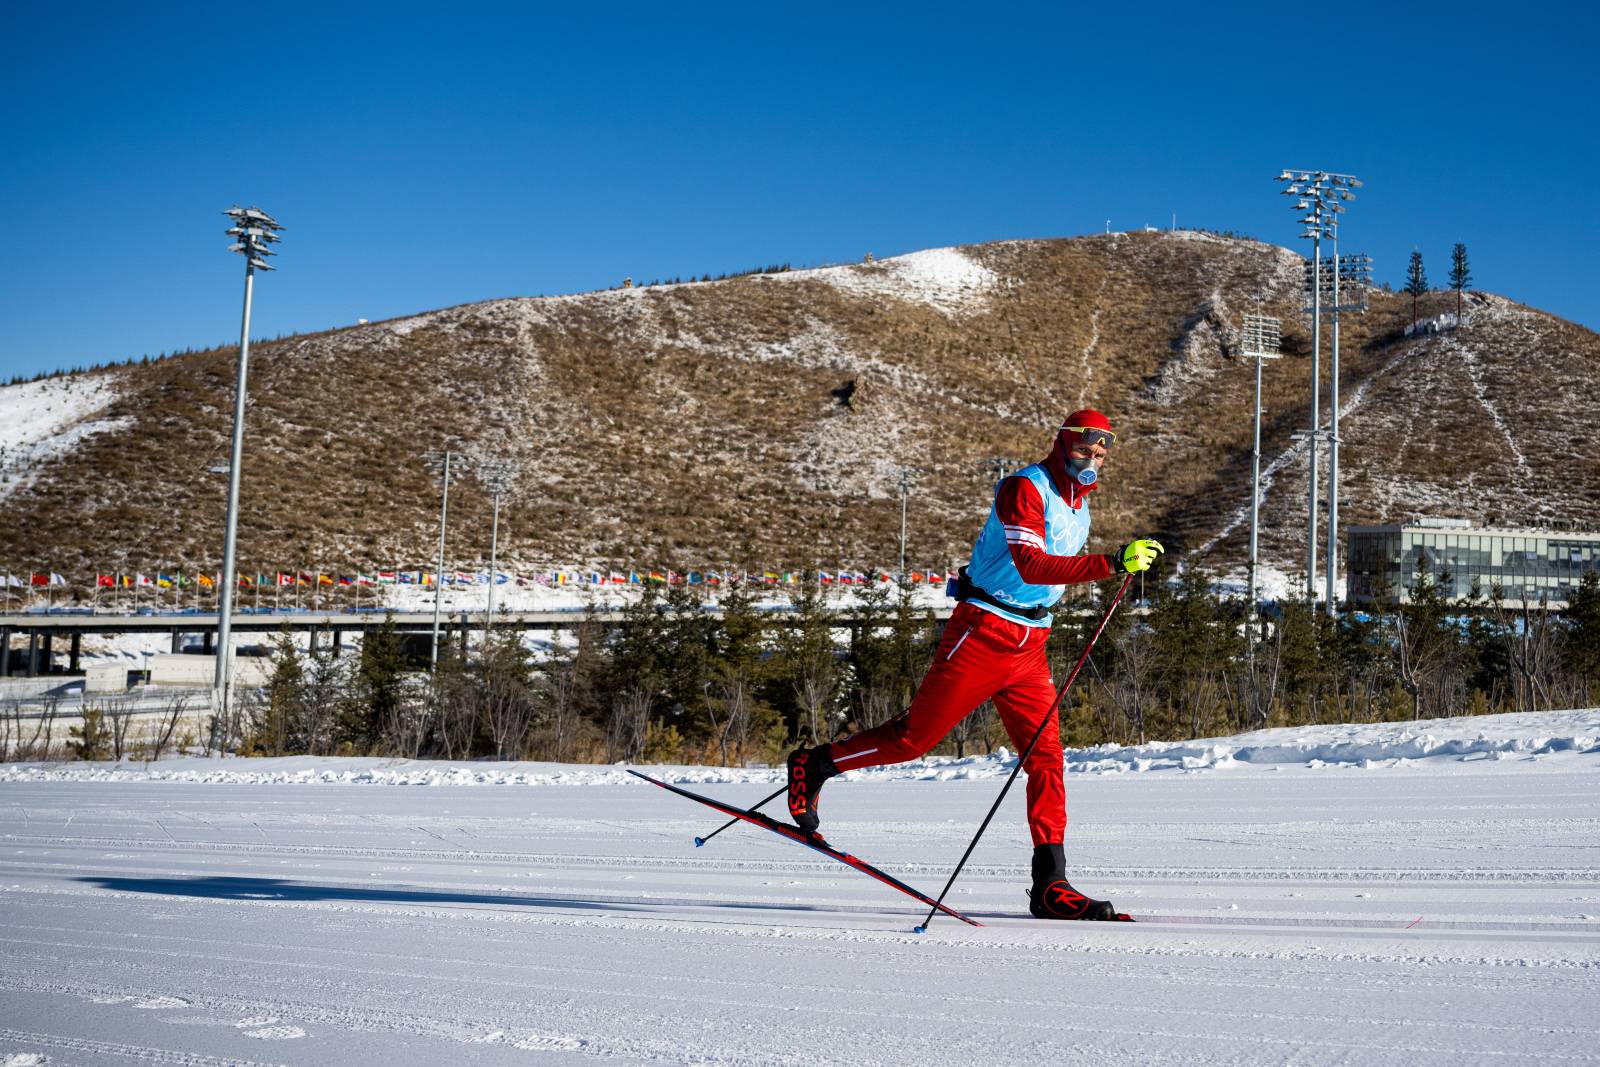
point(813, 842)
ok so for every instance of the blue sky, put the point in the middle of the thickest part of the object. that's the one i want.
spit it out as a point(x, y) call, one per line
point(423, 157)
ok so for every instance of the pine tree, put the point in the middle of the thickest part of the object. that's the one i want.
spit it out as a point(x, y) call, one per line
point(1416, 283)
point(378, 697)
point(1581, 646)
point(1460, 275)
point(89, 740)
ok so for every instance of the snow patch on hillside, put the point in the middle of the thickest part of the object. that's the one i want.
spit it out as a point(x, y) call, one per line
point(945, 279)
point(40, 421)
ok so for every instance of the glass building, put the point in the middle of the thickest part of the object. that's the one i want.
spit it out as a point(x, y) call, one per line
point(1528, 565)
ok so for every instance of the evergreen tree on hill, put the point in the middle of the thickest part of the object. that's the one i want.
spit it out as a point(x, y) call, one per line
point(1460, 275)
point(1416, 283)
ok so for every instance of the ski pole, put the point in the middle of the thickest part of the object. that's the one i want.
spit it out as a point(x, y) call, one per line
point(702, 840)
point(1026, 752)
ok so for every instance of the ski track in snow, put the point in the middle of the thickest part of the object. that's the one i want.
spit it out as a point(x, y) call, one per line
point(1408, 893)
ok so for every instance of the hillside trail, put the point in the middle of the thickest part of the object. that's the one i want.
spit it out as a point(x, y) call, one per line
point(1085, 390)
point(1297, 450)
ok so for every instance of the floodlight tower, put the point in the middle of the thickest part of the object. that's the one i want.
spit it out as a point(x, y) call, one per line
point(906, 476)
point(442, 463)
point(1352, 275)
point(1309, 188)
point(253, 230)
point(1323, 283)
point(1262, 335)
point(498, 476)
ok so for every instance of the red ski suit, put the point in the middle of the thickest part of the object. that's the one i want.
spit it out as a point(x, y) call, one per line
point(983, 656)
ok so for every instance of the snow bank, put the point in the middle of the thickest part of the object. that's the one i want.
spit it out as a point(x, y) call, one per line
point(1381, 745)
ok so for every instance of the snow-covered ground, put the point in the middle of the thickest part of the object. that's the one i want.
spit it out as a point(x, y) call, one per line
point(1414, 894)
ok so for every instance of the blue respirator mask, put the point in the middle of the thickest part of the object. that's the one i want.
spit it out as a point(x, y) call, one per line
point(1083, 469)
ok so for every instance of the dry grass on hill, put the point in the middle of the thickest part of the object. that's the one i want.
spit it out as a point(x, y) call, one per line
point(764, 419)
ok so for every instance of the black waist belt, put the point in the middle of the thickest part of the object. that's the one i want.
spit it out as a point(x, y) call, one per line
point(965, 590)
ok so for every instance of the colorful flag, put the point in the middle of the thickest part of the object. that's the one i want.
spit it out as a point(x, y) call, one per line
point(164, 581)
point(206, 581)
point(141, 580)
point(285, 578)
point(101, 580)
point(365, 579)
point(324, 579)
point(617, 578)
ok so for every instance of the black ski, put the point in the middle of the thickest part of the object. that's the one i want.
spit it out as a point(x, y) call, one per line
point(813, 842)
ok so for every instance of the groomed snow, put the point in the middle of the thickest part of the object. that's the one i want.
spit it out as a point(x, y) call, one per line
point(1406, 894)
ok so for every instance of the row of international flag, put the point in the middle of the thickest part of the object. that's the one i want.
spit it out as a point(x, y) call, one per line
point(319, 579)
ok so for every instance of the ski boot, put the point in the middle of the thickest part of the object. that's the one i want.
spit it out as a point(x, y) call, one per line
point(1053, 897)
point(808, 769)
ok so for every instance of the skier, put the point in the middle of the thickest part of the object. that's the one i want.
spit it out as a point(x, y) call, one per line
point(994, 648)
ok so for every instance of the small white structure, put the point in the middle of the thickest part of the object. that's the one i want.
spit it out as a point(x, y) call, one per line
point(106, 678)
point(199, 671)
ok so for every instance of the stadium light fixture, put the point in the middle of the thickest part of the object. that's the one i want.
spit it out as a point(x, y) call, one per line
point(498, 476)
point(1261, 340)
point(442, 463)
point(253, 230)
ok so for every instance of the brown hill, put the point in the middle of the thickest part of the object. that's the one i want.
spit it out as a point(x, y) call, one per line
point(763, 419)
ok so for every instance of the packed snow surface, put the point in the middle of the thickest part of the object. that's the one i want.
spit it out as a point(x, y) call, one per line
point(1403, 893)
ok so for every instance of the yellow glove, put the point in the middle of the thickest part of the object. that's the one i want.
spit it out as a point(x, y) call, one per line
point(1137, 556)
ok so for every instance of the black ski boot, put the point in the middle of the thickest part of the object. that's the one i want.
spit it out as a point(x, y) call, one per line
point(808, 769)
point(1053, 897)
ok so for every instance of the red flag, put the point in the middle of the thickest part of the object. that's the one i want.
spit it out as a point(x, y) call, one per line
point(105, 579)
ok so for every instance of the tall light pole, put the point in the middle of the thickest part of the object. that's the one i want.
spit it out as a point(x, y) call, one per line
point(905, 492)
point(441, 463)
point(1261, 340)
point(1351, 278)
point(253, 230)
point(1308, 188)
point(498, 476)
point(1324, 195)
